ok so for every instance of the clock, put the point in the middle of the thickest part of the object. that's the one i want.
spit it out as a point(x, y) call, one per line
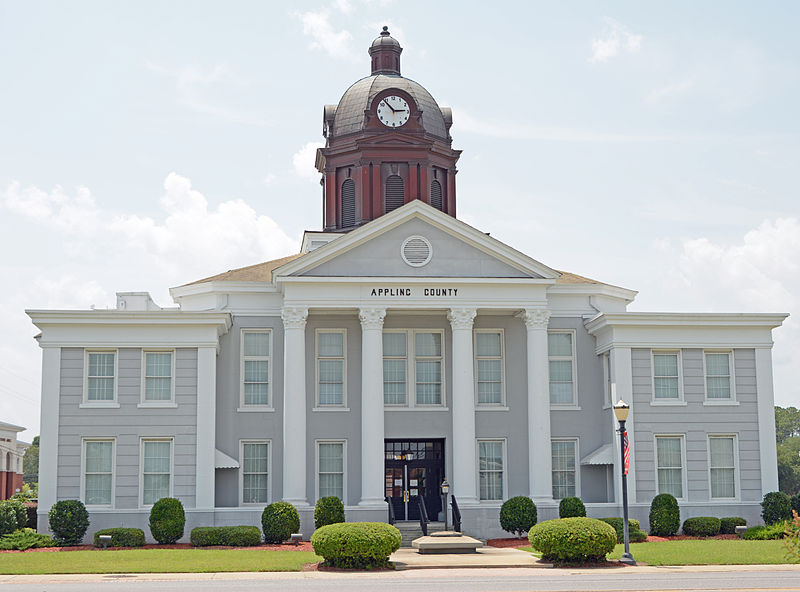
point(393, 111)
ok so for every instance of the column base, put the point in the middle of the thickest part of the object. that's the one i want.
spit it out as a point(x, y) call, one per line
point(467, 501)
point(543, 499)
point(297, 502)
point(374, 502)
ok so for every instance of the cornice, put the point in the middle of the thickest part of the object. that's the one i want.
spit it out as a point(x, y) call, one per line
point(684, 319)
point(117, 317)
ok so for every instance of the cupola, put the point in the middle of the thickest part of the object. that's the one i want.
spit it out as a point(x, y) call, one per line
point(385, 53)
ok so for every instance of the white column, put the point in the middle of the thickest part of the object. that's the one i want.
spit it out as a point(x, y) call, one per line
point(48, 442)
point(294, 405)
point(372, 471)
point(622, 390)
point(540, 454)
point(465, 449)
point(766, 421)
point(206, 426)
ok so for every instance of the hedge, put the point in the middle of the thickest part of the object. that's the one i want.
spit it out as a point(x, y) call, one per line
point(573, 539)
point(765, 533)
point(665, 516)
point(702, 526)
point(19, 510)
point(776, 507)
point(167, 520)
point(121, 537)
point(8, 519)
point(356, 545)
point(69, 521)
point(328, 510)
point(635, 533)
point(728, 525)
point(518, 515)
point(233, 536)
point(25, 538)
point(279, 520)
point(571, 507)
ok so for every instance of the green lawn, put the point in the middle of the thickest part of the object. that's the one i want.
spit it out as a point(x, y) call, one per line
point(154, 561)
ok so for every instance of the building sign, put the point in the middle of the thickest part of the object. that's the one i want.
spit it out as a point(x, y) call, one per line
point(389, 292)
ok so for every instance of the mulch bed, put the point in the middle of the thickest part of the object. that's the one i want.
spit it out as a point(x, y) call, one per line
point(303, 546)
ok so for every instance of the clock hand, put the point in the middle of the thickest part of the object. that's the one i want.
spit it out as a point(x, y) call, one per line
point(390, 107)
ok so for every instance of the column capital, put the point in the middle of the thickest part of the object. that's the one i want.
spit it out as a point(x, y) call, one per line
point(535, 318)
point(294, 317)
point(372, 317)
point(461, 318)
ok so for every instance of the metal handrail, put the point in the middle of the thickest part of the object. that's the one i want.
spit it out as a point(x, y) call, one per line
point(392, 519)
point(423, 516)
point(456, 514)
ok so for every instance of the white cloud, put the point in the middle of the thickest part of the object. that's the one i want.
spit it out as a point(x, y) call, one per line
point(616, 38)
point(304, 161)
point(671, 90)
point(337, 44)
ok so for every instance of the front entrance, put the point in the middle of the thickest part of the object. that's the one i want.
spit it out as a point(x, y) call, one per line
point(414, 468)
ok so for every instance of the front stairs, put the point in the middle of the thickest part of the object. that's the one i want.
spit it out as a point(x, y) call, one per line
point(411, 530)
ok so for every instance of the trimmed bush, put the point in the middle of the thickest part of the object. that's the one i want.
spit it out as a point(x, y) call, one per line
point(25, 538)
point(328, 510)
point(33, 518)
point(121, 537)
point(635, 533)
point(19, 509)
point(765, 533)
point(518, 515)
point(69, 521)
point(356, 545)
point(8, 519)
point(573, 539)
point(571, 507)
point(279, 520)
point(728, 525)
point(665, 515)
point(167, 520)
point(776, 507)
point(701, 526)
point(234, 536)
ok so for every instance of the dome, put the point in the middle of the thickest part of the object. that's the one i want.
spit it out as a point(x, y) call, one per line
point(385, 39)
point(350, 111)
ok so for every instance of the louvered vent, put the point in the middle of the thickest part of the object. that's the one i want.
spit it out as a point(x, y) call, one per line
point(416, 251)
point(348, 203)
point(394, 196)
point(436, 195)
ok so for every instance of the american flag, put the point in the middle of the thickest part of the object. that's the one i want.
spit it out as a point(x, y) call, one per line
point(626, 450)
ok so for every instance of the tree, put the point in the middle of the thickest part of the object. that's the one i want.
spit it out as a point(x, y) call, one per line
point(787, 434)
point(787, 423)
point(30, 463)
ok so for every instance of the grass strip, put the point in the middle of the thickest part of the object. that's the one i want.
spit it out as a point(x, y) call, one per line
point(154, 561)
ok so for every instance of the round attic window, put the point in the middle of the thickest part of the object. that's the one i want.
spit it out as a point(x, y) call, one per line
point(416, 251)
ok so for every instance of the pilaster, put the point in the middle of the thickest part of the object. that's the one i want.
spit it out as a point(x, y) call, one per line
point(206, 427)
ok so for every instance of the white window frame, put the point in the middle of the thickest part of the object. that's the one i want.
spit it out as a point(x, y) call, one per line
point(407, 333)
point(736, 472)
point(244, 407)
point(680, 399)
point(317, 443)
point(577, 462)
point(504, 445)
point(113, 441)
point(684, 475)
point(268, 442)
point(339, 406)
point(142, 441)
point(143, 402)
point(411, 372)
point(93, 403)
point(731, 377)
point(574, 359)
point(501, 357)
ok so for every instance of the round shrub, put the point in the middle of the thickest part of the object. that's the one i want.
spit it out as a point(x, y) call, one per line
point(356, 545)
point(8, 519)
point(328, 510)
point(571, 507)
point(69, 521)
point(518, 515)
point(635, 533)
point(728, 525)
point(20, 510)
point(701, 526)
point(121, 537)
point(167, 520)
point(279, 520)
point(573, 539)
point(665, 516)
point(234, 536)
point(776, 507)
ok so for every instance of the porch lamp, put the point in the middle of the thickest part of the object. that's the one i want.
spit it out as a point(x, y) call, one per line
point(445, 490)
point(621, 410)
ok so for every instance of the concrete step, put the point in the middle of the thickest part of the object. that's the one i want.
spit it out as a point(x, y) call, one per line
point(411, 530)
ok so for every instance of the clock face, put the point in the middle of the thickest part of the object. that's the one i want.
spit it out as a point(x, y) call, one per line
point(393, 111)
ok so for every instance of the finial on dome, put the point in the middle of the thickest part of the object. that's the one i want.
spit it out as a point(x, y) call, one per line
point(385, 53)
point(385, 30)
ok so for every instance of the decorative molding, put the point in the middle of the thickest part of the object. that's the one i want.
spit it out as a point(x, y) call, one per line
point(372, 318)
point(535, 318)
point(461, 318)
point(294, 317)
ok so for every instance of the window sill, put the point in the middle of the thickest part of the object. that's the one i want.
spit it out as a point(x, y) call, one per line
point(109, 405)
point(331, 409)
point(491, 408)
point(416, 409)
point(654, 403)
point(711, 403)
point(565, 407)
point(154, 405)
point(255, 409)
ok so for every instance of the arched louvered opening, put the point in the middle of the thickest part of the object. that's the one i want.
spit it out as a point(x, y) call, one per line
point(348, 203)
point(436, 195)
point(395, 193)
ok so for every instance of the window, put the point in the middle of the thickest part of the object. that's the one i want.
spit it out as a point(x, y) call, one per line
point(436, 194)
point(561, 352)
point(101, 370)
point(330, 367)
point(255, 472)
point(489, 366)
point(156, 470)
point(330, 469)
point(348, 203)
point(98, 472)
point(255, 370)
point(394, 368)
point(564, 473)
point(666, 376)
point(428, 367)
point(722, 466)
point(718, 376)
point(395, 193)
point(669, 464)
point(490, 469)
point(158, 377)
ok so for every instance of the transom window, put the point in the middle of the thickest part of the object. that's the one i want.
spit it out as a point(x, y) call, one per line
point(563, 459)
point(157, 376)
point(256, 361)
point(490, 469)
point(330, 476)
point(669, 464)
point(330, 367)
point(101, 370)
point(98, 472)
point(156, 470)
point(561, 351)
point(722, 466)
point(489, 366)
point(255, 472)
point(718, 376)
point(666, 383)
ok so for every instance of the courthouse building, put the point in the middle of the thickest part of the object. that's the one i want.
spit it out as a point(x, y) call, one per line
point(401, 347)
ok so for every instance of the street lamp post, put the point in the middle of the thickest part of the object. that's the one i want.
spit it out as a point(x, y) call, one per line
point(621, 410)
point(445, 491)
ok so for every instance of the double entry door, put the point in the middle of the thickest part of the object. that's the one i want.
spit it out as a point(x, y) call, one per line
point(413, 469)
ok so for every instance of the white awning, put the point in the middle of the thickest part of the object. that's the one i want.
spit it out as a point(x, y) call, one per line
point(223, 461)
point(602, 456)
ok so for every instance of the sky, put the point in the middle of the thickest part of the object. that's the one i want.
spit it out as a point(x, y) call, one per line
point(147, 144)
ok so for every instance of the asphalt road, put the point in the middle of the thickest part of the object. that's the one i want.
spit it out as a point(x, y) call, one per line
point(438, 580)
